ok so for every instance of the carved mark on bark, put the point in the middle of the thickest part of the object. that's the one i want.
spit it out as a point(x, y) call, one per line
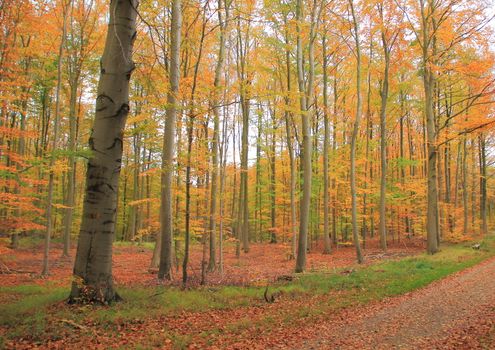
point(100, 101)
point(116, 141)
point(110, 187)
point(95, 188)
point(92, 146)
point(93, 215)
point(121, 112)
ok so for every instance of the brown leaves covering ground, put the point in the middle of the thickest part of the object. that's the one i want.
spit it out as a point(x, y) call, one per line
point(457, 312)
point(131, 264)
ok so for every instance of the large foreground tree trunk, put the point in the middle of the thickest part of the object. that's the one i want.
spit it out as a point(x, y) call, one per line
point(93, 280)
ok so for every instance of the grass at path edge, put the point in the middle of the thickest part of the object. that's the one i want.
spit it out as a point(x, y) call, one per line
point(26, 310)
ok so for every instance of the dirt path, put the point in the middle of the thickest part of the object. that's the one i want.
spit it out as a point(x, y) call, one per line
point(457, 312)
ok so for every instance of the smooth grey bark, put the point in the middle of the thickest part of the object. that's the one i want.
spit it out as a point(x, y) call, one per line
point(432, 232)
point(383, 135)
point(134, 210)
point(190, 136)
point(93, 280)
point(368, 167)
point(258, 208)
point(273, 236)
point(185, 261)
point(133, 227)
point(223, 162)
point(290, 147)
point(242, 47)
point(244, 174)
point(473, 184)
point(483, 184)
point(306, 95)
point(306, 149)
point(334, 150)
point(216, 130)
point(56, 122)
point(464, 187)
point(166, 214)
point(292, 162)
point(236, 223)
point(355, 132)
point(71, 174)
point(326, 143)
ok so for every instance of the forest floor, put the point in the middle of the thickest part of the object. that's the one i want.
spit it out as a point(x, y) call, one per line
point(402, 298)
point(131, 267)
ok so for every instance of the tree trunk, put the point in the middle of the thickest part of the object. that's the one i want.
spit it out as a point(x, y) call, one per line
point(290, 149)
point(133, 210)
point(185, 261)
point(71, 175)
point(93, 280)
point(326, 142)
point(334, 150)
point(306, 152)
point(168, 145)
point(355, 132)
point(223, 162)
point(483, 185)
point(216, 131)
point(273, 237)
point(244, 213)
point(51, 179)
point(383, 141)
point(431, 147)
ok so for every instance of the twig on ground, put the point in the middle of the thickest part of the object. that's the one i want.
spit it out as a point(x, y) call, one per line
point(73, 324)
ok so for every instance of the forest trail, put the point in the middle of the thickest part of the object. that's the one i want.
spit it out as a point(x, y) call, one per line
point(457, 312)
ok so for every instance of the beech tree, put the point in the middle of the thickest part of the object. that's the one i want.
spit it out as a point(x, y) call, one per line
point(93, 280)
point(355, 130)
point(168, 144)
point(49, 223)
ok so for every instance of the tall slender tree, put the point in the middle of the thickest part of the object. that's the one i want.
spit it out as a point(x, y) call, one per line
point(56, 125)
point(223, 20)
point(355, 131)
point(166, 215)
